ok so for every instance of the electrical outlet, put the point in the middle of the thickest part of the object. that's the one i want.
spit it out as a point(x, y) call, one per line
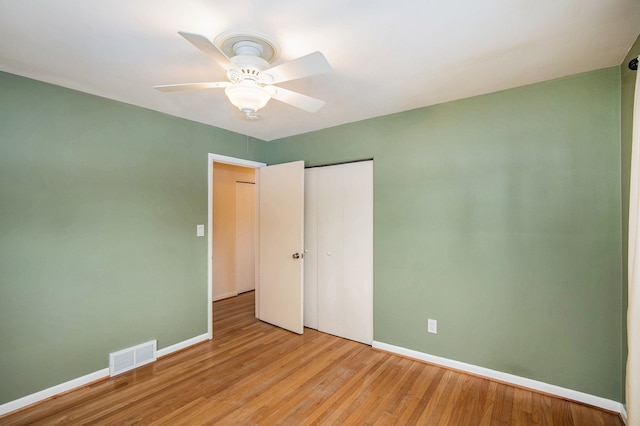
point(432, 326)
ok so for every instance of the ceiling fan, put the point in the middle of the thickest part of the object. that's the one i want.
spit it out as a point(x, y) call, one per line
point(246, 58)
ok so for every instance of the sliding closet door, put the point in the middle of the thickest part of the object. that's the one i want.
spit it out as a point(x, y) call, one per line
point(332, 300)
point(343, 250)
point(311, 248)
point(358, 251)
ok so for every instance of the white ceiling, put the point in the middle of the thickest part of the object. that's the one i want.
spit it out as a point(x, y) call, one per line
point(387, 56)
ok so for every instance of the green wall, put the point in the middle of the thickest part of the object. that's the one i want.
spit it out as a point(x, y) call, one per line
point(628, 83)
point(500, 217)
point(99, 203)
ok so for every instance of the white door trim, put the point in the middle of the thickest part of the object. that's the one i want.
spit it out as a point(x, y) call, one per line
point(227, 160)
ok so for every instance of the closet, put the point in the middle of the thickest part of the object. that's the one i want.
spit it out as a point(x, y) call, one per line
point(245, 227)
point(338, 263)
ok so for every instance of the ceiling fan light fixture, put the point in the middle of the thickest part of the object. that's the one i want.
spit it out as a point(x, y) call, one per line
point(246, 58)
point(247, 97)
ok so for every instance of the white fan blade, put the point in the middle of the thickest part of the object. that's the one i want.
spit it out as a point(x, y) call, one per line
point(191, 86)
point(298, 100)
point(305, 66)
point(209, 49)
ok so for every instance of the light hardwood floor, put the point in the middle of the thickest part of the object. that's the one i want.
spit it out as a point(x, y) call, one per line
point(254, 373)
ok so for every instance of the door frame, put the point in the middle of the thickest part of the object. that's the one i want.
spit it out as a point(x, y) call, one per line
point(227, 160)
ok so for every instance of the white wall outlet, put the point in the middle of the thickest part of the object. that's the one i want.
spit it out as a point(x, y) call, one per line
point(432, 326)
point(199, 230)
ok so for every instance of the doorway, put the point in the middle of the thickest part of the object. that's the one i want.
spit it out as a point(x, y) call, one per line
point(233, 230)
point(221, 159)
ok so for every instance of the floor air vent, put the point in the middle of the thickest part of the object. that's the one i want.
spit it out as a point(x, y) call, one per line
point(130, 358)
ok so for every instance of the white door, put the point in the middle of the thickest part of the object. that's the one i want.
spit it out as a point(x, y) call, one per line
point(358, 251)
point(339, 245)
point(245, 236)
point(310, 248)
point(281, 226)
point(332, 304)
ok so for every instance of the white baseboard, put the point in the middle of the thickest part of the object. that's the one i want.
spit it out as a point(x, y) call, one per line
point(53, 391)
point(623, 413)
point(571, 394)
point(86, 379)
point(182, 345)
point(224, 296)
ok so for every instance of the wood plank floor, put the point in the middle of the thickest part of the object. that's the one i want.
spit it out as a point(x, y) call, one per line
point(254, 373)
